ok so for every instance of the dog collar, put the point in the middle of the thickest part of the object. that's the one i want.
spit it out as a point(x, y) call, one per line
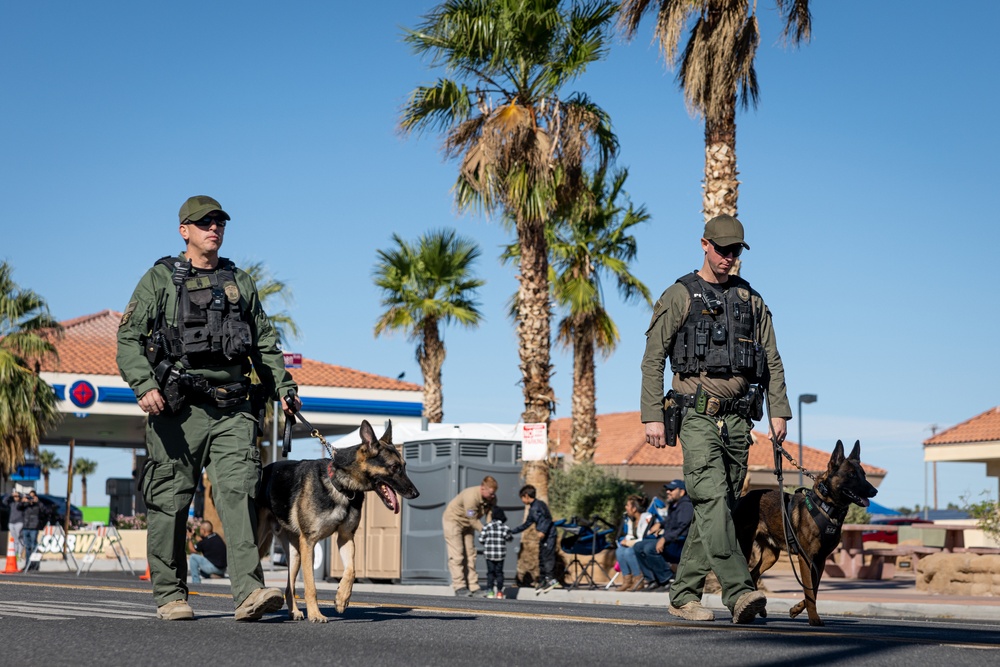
point(331, 471)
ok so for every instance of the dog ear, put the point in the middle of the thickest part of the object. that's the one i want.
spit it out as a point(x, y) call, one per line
point(855, 454)
point(387, 436)
point(368, 440)
point(838, 456)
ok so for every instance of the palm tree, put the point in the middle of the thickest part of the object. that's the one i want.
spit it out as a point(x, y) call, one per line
point(523, 144)
point(270, 289)
point(84, 467)
point(594, 240)
point(48, 461)
point(590, 239)
point(27, 403)
point(424, 285)
point(716, 71)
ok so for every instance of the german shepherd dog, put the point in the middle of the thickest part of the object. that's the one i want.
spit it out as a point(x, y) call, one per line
point(303, 502)
point(815, 516)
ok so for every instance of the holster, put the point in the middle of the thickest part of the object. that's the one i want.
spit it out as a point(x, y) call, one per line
point(672, 415)
point(751, 404)
point(258, 406)
point(171, 380)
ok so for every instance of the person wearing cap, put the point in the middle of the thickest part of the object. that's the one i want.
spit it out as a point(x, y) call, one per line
point(461, 518)
point(656, 556)
point(187, 340)
point(718, 335)
point(32, 522)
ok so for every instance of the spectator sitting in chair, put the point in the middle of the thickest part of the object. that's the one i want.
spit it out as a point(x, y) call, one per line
point(639, 526)
point(211, 557)
point(656, 556)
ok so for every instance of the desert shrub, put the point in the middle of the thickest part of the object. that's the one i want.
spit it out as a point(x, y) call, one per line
point(584, 490)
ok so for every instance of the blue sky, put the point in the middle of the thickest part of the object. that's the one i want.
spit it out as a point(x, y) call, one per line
point(866, 178)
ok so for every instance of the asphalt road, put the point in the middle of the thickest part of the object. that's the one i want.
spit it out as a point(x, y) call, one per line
point(109, 619)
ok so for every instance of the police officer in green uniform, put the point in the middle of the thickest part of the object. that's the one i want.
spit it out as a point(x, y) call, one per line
point(717, 332)
point(186, 342)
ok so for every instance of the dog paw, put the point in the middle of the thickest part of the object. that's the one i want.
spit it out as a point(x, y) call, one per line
point(816, 621)
point(319, 618)
point(296, 615)
point(341, 608)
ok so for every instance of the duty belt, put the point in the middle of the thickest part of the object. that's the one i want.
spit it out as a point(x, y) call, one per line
point(713, 406)
point(223, 396)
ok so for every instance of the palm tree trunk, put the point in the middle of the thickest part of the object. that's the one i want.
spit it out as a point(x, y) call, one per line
point(430, 356)
point(46, 476)
point(721, 183)
point(534, 343)
point(583, 433)
point(83, 488)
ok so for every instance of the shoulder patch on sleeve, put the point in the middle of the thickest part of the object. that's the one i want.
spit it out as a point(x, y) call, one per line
point(127, 315)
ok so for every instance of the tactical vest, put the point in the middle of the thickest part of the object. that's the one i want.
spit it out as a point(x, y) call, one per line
point(719, 335)
point(210, 329)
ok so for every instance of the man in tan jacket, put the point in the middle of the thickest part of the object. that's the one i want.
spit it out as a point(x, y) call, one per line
point(462, 517)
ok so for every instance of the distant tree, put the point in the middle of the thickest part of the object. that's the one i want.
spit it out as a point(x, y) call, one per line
point(84, 467)
point(48, 461)
point(591, 239)
point(27, 403)
point(716, 71)
point(522, 141)
point(425, 285)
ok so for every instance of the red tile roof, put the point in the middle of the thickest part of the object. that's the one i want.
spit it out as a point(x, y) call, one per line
point(981, 428)
point(89, 345)
point(621, 440)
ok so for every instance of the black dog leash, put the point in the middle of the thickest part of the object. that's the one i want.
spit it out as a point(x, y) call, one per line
point(786, 523)
point(286, 445)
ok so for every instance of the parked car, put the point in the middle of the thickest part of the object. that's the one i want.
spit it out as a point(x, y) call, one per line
point(890, 537)
point(53, 511)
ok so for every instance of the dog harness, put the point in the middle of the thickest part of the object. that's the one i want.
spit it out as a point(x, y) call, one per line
point(828, 518)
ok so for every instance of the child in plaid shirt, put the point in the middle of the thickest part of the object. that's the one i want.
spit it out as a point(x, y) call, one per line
point(494, 539)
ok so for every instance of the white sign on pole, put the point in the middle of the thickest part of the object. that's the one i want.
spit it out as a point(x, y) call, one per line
point(534, 442)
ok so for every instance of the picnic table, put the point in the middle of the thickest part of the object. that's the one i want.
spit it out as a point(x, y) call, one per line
point(853, 559)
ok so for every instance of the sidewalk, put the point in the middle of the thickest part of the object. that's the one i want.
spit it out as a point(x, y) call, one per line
point(892, 598)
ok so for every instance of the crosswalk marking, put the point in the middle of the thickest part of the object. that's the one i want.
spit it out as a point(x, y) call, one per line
point(61, 610)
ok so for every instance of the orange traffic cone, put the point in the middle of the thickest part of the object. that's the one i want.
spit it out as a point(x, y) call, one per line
point(145, 577)
point(11, 556)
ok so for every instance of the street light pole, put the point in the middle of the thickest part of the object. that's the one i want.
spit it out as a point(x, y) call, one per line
point(803, 398)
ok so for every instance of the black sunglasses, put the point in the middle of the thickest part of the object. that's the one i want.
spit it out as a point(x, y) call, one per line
point(206, 223)
point(735, 249)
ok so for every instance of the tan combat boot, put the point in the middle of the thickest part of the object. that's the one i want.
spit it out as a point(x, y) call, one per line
point(749, 606)
point(258, 603)
point(691, 611)
point(175, 610)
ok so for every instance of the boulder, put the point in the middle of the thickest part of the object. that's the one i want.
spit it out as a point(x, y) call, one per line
point(959, 574)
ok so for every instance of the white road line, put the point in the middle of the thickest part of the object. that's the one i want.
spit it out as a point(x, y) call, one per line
point(59, 607)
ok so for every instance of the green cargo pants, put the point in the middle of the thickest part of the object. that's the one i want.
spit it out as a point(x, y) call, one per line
point(714, 470)
point(221, 440)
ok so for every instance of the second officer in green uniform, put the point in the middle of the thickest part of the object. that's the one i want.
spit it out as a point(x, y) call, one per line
point(186, 343)
point(717, 332)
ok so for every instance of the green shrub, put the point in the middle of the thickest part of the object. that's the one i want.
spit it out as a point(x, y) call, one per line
point(986, 513)
point(584, 489)
point(857, 514)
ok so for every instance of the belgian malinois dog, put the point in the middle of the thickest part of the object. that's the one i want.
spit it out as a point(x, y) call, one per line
point(815, 519)
point(303, 502)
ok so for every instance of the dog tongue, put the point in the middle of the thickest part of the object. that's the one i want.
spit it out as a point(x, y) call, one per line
point(390, 497)
point(865, 502)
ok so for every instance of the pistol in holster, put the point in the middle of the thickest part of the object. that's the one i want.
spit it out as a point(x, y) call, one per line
point(751, 404)
point(258, 406)
point(672, 416)
point(171, 380)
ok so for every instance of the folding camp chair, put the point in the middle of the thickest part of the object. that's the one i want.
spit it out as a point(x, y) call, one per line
point(585, 538)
